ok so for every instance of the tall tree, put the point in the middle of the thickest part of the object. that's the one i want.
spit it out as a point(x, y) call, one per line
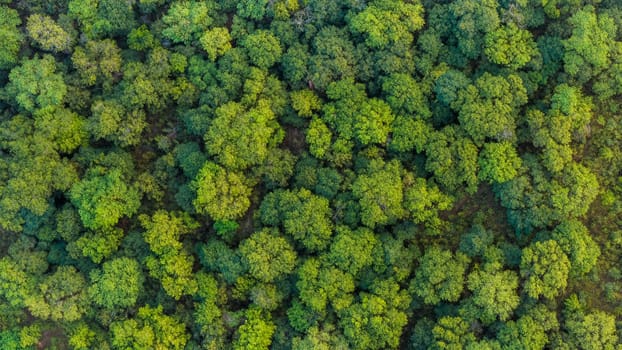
point(380, 194)
point(172, 264)
point(221, 193)
point(36, 84)
point(240, 138)
point(47, 34)
point(151, 328)
point(103, 198)
point(440, 276)
point(10, 37)
point(267, 255)
point(303, 215)
point(545, 267)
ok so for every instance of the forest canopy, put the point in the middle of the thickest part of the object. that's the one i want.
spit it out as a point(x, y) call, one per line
point(310, 174)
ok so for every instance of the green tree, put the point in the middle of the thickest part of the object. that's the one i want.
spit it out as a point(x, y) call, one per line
point(595, 330)
point(494, 294)
point(141, 39)
point(85, 12)
point(240, 138)
point(216, 42)
point(319, 138)
point(117, 284)
point(305, 102)
point(545, 267)
point(277, 168)
point(81, 337)
point(33, 170)
point(97, 62)
point(405, 96)
point(172, 265)
point(448, 88)
point(150, 329)
point(218, 257)
point(424, 200)
point(61, 295)
point(574, 191)
point(587, 51)
point(440, 276)
point(222, 194)
point(490, 107)
point(535, 200)
point(380, 194)
point(9, 339)
point(476, 241)
point(352, 250)
point(102, 199)
point(186, 21)
point(333, 58)
point(565, 122)
point(256, 332)
point(163, 230)
point(451, 332)
point(35, 84)
point(452, 159)
point(103, 17)
point(96, 245)
point(64, 128)
point(409, 134)
point(15, 284)
point(10, 37)
point(577, 243)
point(355, 116)
point(252, 9)
point(324, 338)
point(109, 120)
point(264, 49)
point(208, 313)
point(47, 34)
point(498, 162)
point(321, 284)
point(294, 64)
point(29, 336)
point(398, 256)
point(386, 22)
point(510, 45)
point(267, 255)
point(303, 215)
point(472, 20)
point(377, 321)
point(529, 331)
point(174, 271)
point(190, 158)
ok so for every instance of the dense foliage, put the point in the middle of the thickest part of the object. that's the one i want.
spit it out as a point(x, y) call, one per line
point(310, 174)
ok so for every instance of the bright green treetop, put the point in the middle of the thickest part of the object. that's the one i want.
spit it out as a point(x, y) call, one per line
point(117, 284)
point(102, 199)
point(222, 194)
point(267, 255)
point(35, 84)
point(440, 276)
point(545, 267)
